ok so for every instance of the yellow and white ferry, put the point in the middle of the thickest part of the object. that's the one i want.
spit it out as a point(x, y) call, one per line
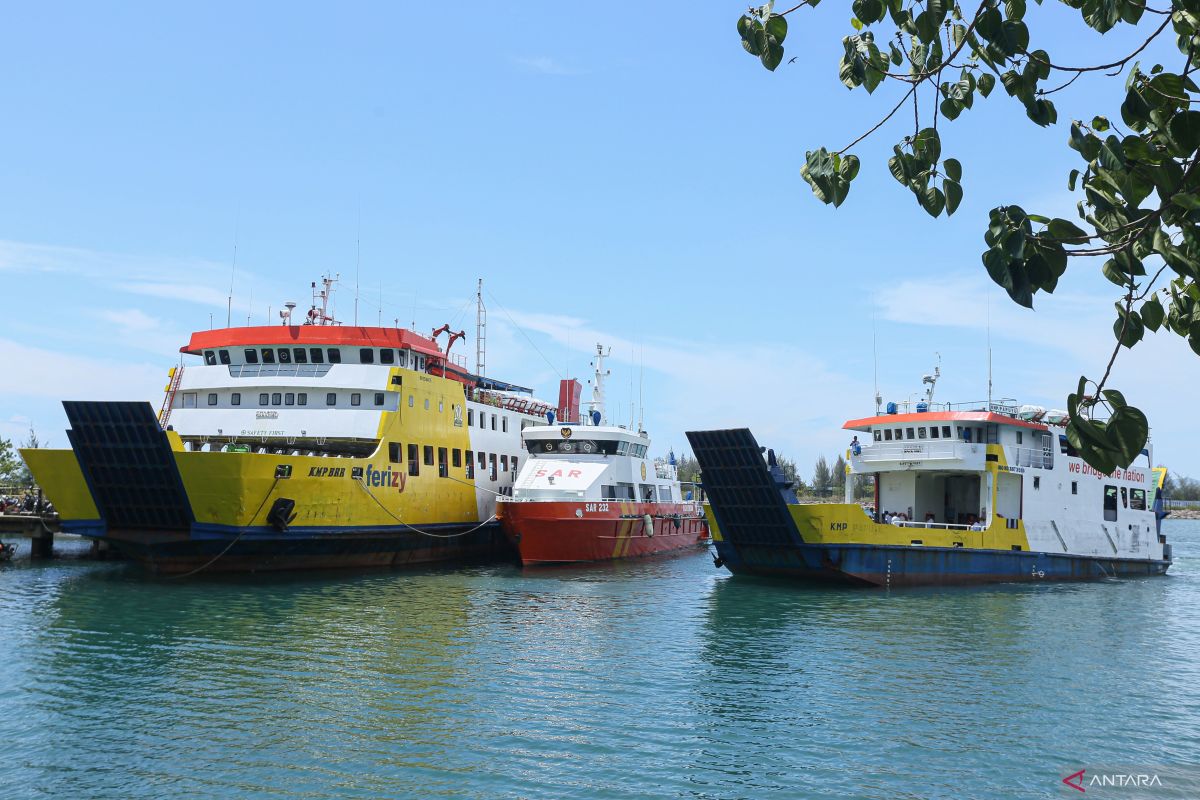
point(297, 446)
point(972, 493)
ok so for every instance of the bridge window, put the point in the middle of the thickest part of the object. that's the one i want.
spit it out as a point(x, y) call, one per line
point(1110, 503)
point(268, 355)
point(1137, 499)
point(910, 433)
point(285, 356)
point(355, 399)
point(379, 398)
point(251, 356)
point(879, 435)
point(945, 431)
point(235, 399)
point(402, 358)
point(316, 355)
point(933, 432)
point(443, 470)
point(887, 434)
point(335, 355)
point(189, 399)
point(366, 355)
point(428, 454)
point(223, 355)
point(394, 452)
point(299, 355)
point(289, 399)
point(387, 356)
point(331, 399)
point(470, 463)
point(264, 399)
point(210, 358)
point(414, 465)
point(212, 398)
point(921, 432)
point(302, 399)
point(276, 398)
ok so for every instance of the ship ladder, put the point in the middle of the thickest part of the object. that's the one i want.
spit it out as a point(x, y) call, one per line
point(164, 413)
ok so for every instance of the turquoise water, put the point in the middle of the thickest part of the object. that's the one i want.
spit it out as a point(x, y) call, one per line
point(664, 678)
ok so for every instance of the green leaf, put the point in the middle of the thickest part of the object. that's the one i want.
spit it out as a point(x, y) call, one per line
point(1072, 179)
point(953, 169)
point(1014, 9)
point(897, 56)
point(1113, 273)
point(1127, 431)
point(1128, 328)
point(987, 81)
point(777, 26)
point(1099, 124)
point(849, 167)
point(933, 201)
point(1065, 230)
point(1185, 130)
point(772, 55)
point(950, 108)
point(1152, 313)
point(1114, 398)
point(856, 23)
point(953, 192)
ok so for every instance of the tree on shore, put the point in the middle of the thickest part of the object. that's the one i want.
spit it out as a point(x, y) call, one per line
point(11, 465)
point(1138, 188)
point(822, 482)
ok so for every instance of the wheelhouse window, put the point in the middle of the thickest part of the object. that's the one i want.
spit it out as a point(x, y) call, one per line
point(331, 399)
point(268, 355)
point(316, 355)
point(355, 399)
point(210, 358)
point(212, 398)
point(299, 355)
point(366, 355)
point(945, 431)
point(887, 434)
point(335, 355)
point(379, 398)
point(251, 356)
point(235, 399)
point(387, 356)
point(276, 398)
point(878, 435)
point(223, 356)
point(921, 433)
point(285, 355)
point(1074, 487)
point(909, 435)
point(264, 399)
point(289, 399)
point(189, 399)
point(933, 432)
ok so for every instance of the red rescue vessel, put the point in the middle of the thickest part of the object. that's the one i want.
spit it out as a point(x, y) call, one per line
point(589, 492)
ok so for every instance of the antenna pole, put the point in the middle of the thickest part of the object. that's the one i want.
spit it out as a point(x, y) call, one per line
point(641, 388)
point(232, 273)
point(357, 261)
point(875, 359)
point(989, 348)
point(480, 331)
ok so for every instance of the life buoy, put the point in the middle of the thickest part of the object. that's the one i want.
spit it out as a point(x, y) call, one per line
point(676, 521)
point(648, 525)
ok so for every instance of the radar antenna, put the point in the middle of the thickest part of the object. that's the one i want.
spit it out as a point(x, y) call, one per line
point(932, 379)
point(596, 404)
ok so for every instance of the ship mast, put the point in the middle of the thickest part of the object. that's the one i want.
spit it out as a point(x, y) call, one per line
point(480, 331)
point(597, 401)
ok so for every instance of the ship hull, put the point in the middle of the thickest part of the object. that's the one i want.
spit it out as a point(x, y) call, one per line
point(887, 566)
point(225, 550)
point(565, 532)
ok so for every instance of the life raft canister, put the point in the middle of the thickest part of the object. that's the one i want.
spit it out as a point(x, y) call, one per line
point(648, 525)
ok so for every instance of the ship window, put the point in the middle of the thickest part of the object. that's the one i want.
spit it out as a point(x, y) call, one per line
point(426, 403)
point(442, 467)
point(223, 355)
point(910, 433)
point(1037, 482)
point(421, 363)
point(276, 398)
point(268, 355)
point(355, 399)
point(933, 432)
point(299, 355)
point(235, 399)
point(316, 355)
point(264, 399)
point(387, 356)
point(366, 355)
point(504, 463)
point(285, 356)
point(212, 398)
point(470, 418)
point(1019, 437)
point(483, 461)
point(504, 424)
point(878, 435)
point(331, 399)
point(302, 399)
point(1074, 487)
point(482, 420)
point(289, 399)
point(1137, 499)
point(410, 401)
point(428, 455)
point(402, 357)
point(1124, 497)
point(379, 398)
point(335, 355)
point(441, 406)
point(414, 466)
point(945, 431)
point(251, 356)
point(394, 452)
point(921, 432)
point(492, 465)
point(456, 457)
point(470, 464)
point(210, 358)
point(1110, 503)
point(887, 434)
point(493, 422)
point(514, 463)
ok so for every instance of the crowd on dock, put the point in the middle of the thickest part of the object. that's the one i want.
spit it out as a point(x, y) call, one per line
point(25, 503)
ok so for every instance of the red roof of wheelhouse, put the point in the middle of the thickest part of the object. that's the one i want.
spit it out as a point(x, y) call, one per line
point(323, 335)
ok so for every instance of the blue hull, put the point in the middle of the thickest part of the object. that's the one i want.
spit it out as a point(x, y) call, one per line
point(885, 565)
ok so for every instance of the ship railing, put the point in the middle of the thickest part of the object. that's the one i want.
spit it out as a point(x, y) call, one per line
point(1005, 409)
point(1033, 457)
point(520, 405)
point(944, 526)
point(278, 370)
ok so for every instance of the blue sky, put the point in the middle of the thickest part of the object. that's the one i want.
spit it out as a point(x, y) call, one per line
point(613, 174)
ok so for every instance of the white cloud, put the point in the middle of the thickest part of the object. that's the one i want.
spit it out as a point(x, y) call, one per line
point(46, 374)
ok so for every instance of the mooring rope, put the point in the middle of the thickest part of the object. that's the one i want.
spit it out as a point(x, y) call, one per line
point(430, 534)
point(236, 539)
